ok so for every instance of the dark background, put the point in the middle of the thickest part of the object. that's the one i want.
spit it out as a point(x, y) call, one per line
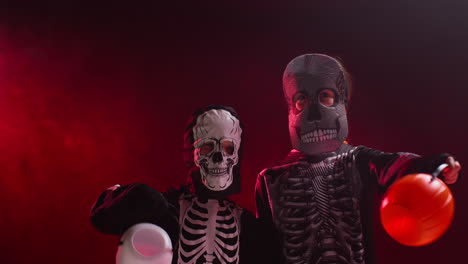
point(94, 94)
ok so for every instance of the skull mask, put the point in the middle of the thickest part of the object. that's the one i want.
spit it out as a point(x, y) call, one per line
point(217, 137)
point(315, 127)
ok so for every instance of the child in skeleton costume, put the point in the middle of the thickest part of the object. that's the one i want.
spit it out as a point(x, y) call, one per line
point(318, 202)
point(204, 226)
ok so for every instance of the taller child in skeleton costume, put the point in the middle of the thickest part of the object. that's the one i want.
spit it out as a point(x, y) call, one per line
point(318, 202)
point(204, 226)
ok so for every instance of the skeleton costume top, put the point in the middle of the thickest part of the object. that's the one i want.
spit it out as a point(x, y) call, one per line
point(318, 203)
point(204, 226)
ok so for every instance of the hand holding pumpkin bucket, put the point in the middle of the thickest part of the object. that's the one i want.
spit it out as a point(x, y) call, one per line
point(417, 209)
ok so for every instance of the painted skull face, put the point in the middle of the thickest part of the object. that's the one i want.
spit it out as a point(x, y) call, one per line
point(315, 89)
point(217, 137)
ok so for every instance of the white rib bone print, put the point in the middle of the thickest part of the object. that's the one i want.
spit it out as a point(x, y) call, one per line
point(209, 232)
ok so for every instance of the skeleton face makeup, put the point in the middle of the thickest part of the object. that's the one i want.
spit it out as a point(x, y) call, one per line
point(315, 88)
point(217, 137)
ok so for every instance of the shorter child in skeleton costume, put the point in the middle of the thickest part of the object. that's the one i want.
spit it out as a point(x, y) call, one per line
point(204, 226)
point(318, 202)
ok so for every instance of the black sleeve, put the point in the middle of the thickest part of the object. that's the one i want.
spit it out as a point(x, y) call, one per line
point(261, 199)
point(117, 209)
point(268, 245)
point(378, 170)
point(388, 167)
point(255, 246)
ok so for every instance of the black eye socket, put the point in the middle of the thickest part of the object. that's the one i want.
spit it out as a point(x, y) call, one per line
point(206, 148)
point(228, 147)
point(300, 101)
point(327, 97)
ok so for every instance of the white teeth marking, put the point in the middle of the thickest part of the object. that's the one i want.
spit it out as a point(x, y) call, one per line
point(217, 171)
point(319, 135)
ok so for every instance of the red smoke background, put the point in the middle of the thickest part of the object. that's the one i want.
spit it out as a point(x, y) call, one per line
point(97, 94)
